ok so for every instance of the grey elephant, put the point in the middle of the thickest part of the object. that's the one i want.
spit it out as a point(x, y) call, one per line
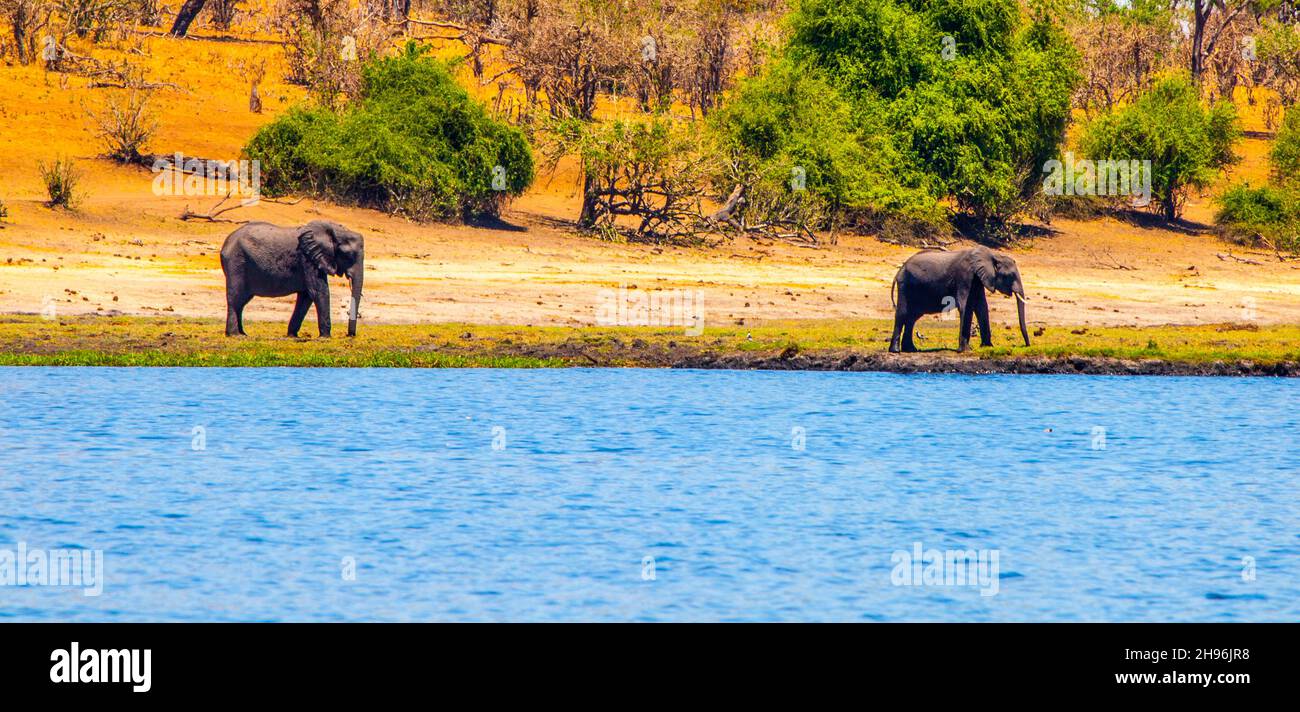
point(934, 281)
point(265, 260)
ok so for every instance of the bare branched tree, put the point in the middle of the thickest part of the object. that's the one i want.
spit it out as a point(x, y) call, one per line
point(1210, 20)
point(567, 51)
point(27, 20)
point(1278, 66)
point(328, 41)
point(125, 124)
point(641, 179)
point(222, 13)
point(1120, 54)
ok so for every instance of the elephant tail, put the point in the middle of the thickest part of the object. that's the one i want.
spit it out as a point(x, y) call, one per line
point(894, 285)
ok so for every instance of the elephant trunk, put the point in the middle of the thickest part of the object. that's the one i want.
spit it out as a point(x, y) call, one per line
point(356, 275)
point(1020, 310)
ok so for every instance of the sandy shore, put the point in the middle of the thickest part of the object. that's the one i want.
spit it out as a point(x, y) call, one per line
point(130, 255)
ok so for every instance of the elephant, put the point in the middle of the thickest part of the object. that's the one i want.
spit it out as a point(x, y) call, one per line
point(264, 260)
point(933, 281)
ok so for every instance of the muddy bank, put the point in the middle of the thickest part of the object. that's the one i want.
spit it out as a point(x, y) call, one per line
point(931, 363)
point(642, 354)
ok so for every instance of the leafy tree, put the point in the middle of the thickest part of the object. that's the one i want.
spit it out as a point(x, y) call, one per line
point(1186, 142)
point(970, 92)
point(794, 144)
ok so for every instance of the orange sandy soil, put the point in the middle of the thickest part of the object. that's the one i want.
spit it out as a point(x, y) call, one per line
point(124, 250)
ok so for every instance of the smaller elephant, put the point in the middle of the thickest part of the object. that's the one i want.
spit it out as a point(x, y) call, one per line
point(935, 281)
point(265, 260)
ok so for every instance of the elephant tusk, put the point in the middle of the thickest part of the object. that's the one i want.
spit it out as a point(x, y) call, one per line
point(1021, 297)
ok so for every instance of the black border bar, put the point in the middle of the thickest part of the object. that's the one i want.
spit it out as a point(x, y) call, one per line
point(934, 662)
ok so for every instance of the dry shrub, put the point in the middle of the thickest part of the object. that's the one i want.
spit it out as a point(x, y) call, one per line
point(61, 178)
point(125, 124)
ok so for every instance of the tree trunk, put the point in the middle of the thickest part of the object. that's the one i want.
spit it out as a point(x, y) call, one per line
point(25, 27)
point(587, 218)
point(1200, 13)
point(185, 16)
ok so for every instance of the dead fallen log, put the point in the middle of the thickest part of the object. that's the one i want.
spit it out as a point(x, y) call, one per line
point(110, 84)
point(1229, 256)
point(214, 213)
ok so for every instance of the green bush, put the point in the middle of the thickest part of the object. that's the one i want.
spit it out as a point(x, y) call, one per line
point(1285, 155)
point(969, 96)
point(414, 143)
point(1270, 214)
point(1186, 142)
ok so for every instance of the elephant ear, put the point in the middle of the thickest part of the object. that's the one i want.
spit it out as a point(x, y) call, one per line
point(317, 246)
point(985, 269)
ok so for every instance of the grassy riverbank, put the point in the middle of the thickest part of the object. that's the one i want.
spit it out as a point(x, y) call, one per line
point(1225, 349)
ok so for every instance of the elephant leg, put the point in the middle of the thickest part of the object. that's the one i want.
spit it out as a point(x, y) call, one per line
point(323, 312)
point(232, 319)
point(982, 315)
point(234, 295)
point(963, 333)
point(908, 345)
point(899, 321)
point(239, 314)
point(300, 308)
point(235, 304)
point(317, 288)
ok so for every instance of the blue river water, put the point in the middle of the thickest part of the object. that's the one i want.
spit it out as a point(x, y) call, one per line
point(647, 495)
